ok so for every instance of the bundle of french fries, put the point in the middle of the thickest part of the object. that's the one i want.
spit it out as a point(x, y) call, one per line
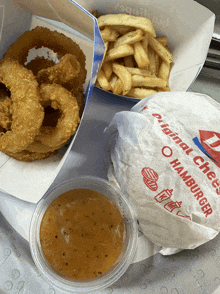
point(136, 63)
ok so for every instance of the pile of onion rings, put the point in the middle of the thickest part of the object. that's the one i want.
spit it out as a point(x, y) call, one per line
point(41, 102)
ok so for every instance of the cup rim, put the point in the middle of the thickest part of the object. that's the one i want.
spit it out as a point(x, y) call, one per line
point(101, 282)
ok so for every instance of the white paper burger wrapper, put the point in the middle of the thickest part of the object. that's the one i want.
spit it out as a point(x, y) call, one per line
point(165, 156)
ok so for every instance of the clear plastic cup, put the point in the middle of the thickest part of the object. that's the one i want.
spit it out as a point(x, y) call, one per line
point(129, 241)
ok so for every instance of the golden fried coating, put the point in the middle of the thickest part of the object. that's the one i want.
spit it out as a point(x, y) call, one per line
point(43, 37)
point(5, 111)
point(38, 147)
point(58, 98)
point(39, 63)
point(30, 156)
point(27, 113)
point(65, 72)
point(41, 103)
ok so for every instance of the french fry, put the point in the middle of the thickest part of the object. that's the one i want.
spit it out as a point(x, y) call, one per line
point(107, 68)
point(165, 89)
point(136, 63)
point(140, 92)
point(111, 45)
point(122, 29)
point(129, 61)
point(106, 49)
point(145, 43)
point(152, 63)
point(101, 78)
point(125, 19)
point(162, 40)
point(164, 71)
point(140, 72)
point(108, 34)
point(121, 51)
point(124, 75)
point(157, 63)
point(139, 81)
point(118, 87)
point(113, 80)
point(97, 84)
point(160, 49)
point(116, 84)
point(140, 55)
point(130, 38)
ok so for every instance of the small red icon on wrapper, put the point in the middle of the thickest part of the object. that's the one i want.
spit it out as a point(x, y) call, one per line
point(149, 174)
point(179, 213)
point(170, 206)
point(163, 195)
point(152, 185)
point(150, 178)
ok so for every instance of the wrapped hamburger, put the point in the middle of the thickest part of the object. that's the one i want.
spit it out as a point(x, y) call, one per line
point(165, 155)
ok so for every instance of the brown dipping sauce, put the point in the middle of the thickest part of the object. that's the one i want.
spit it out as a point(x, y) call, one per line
point(81, 234)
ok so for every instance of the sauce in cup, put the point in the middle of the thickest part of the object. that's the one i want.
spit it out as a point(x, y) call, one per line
point(81, 234)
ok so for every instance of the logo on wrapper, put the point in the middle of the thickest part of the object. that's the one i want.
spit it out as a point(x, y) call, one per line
point(150, 177)
point(209, 144)
point(171, 206)
point(163, 195)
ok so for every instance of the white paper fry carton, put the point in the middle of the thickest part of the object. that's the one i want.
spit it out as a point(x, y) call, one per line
point(187, 25)
point(29, 181)
point(165, 156)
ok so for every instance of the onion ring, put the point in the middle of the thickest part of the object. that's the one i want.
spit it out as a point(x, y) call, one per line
point(27, 113)
point(64, 73)
point(38, 147)
point(5, 111)
point(56, 137)
point(58, 42)
point(39, 63)
point(5, 123)
point(61, 73)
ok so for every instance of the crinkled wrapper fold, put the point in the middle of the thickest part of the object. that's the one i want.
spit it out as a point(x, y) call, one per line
point(164, 156)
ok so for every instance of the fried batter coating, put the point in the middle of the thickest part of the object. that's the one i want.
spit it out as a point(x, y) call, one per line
point(50, 121)
point(64, 73)
point(30, 156)
point(38, 147)
point(43, 37)
point(24, 130)
point(27, 113)
point(58, 98)
point(38, 64)
point(5, 111)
